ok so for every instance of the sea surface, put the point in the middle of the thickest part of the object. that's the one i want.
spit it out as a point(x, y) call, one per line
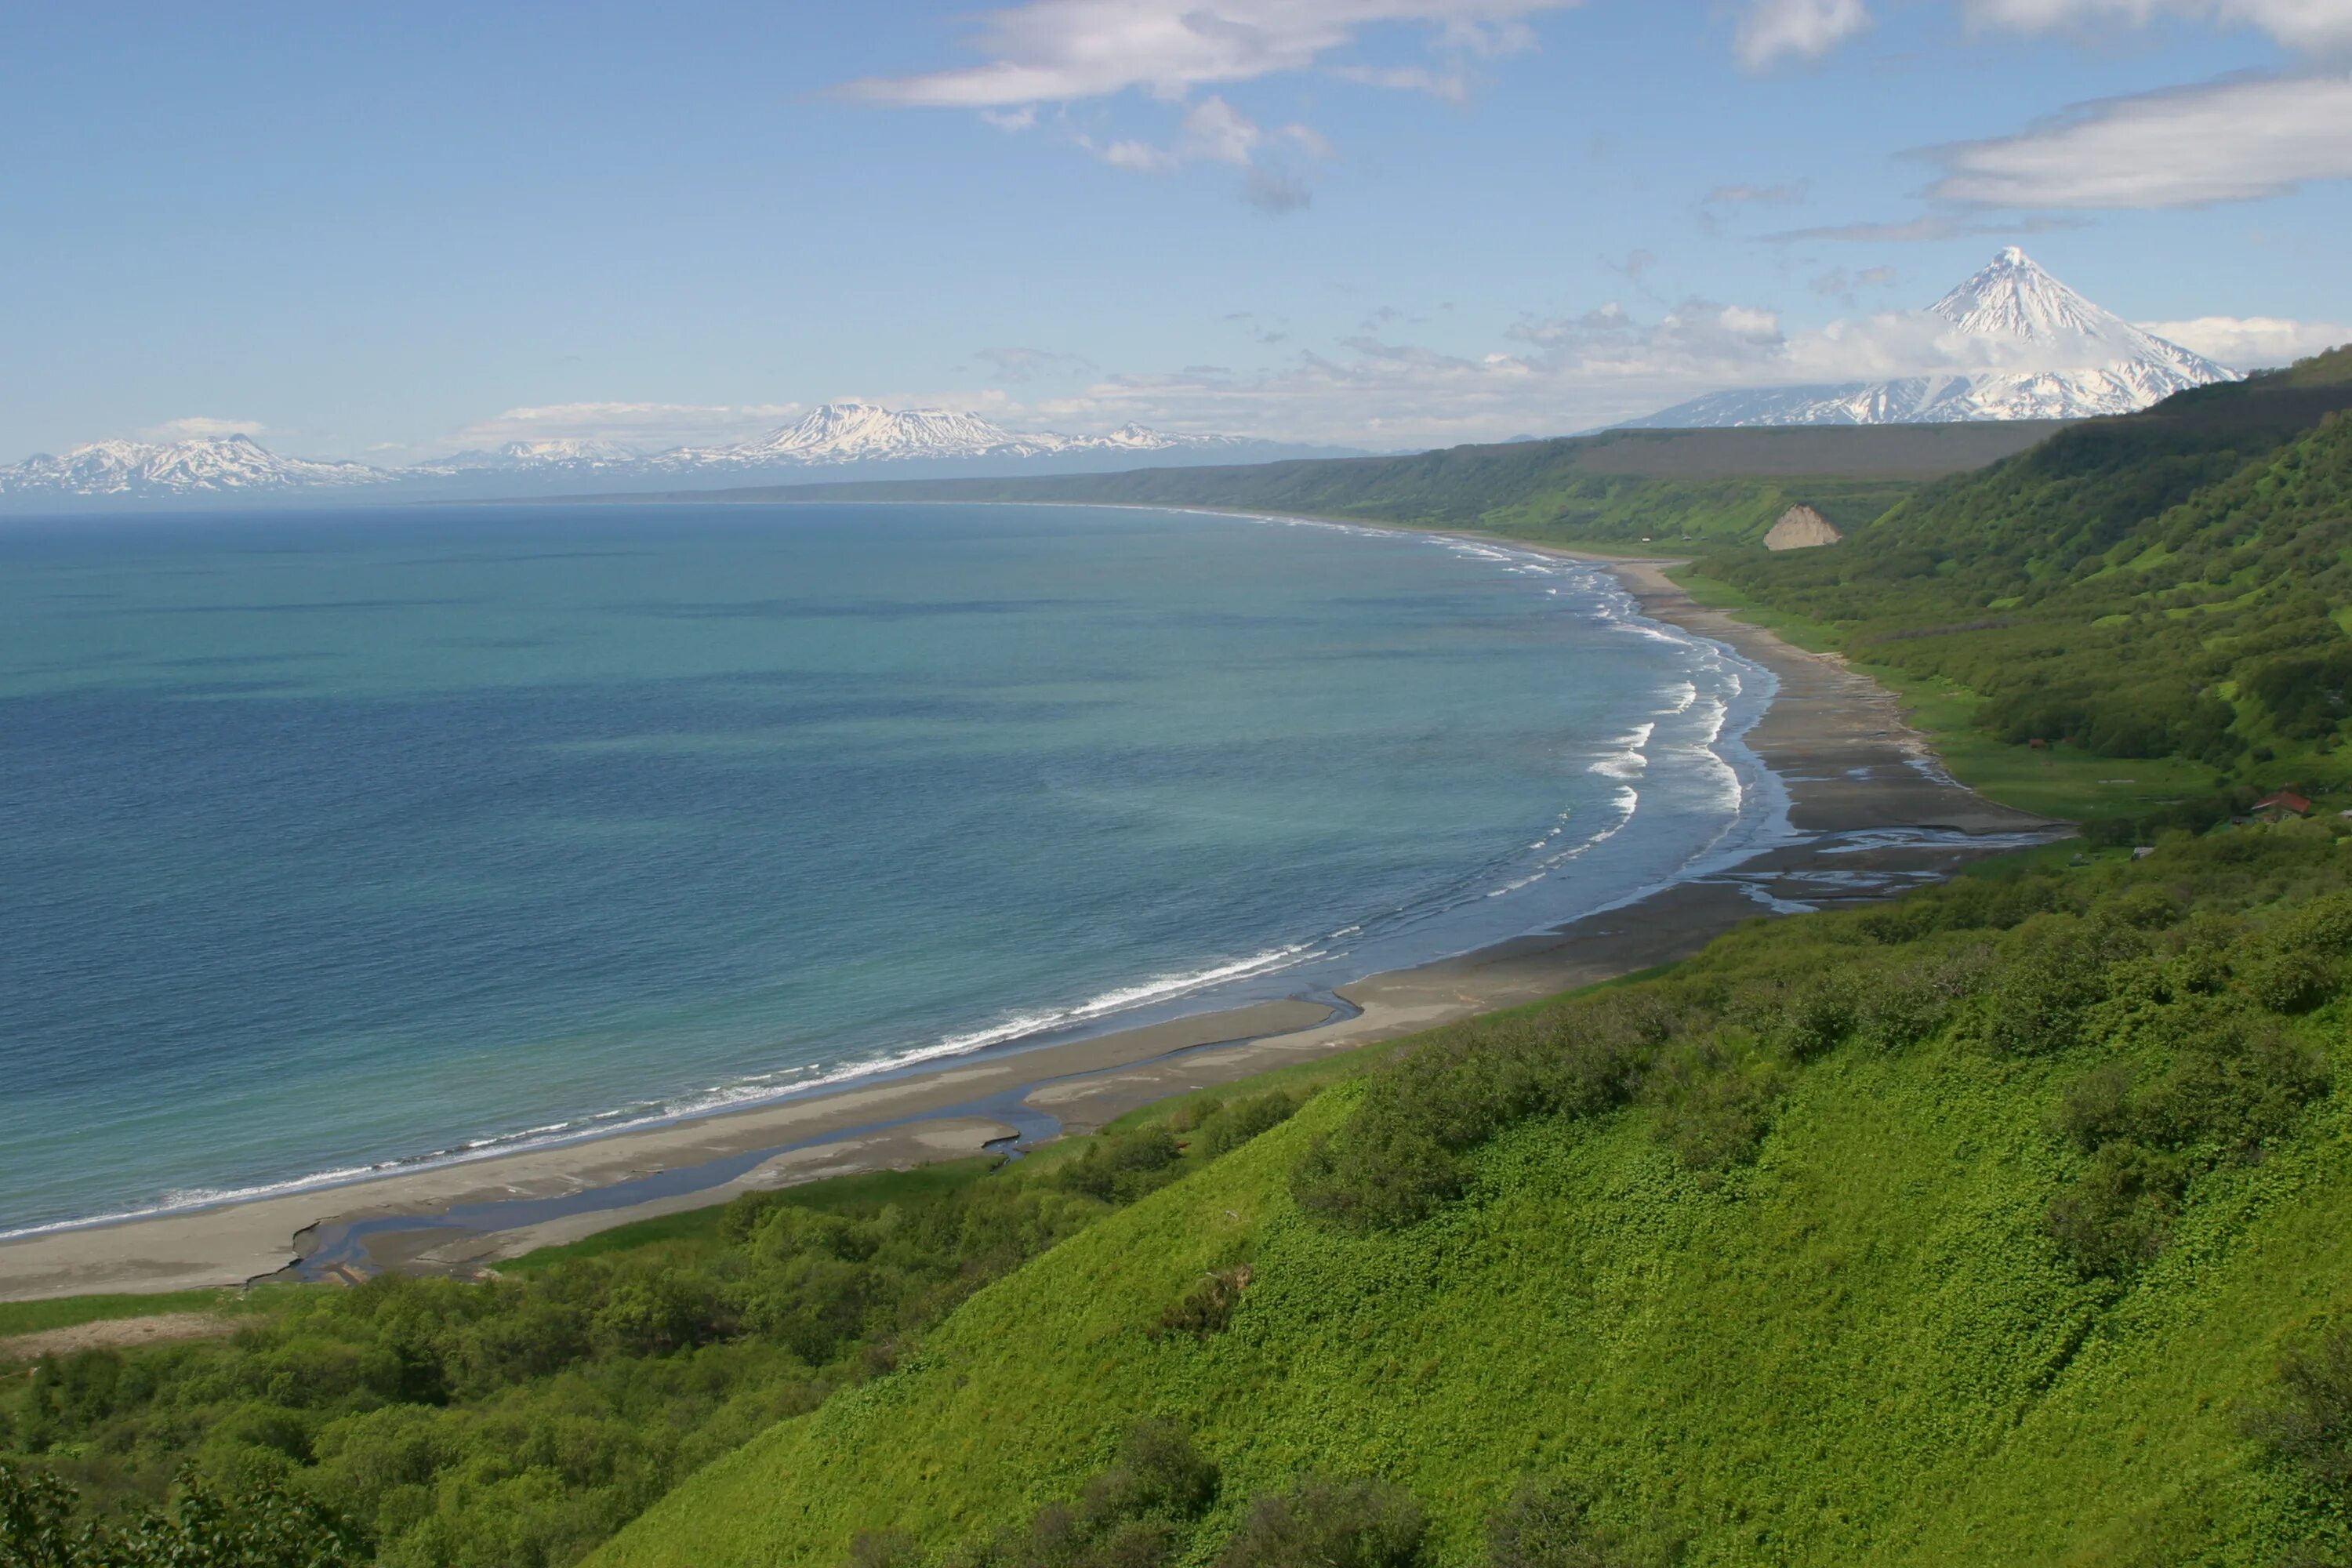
point(335, 842)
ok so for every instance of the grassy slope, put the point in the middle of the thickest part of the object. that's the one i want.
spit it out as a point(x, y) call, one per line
point(2065, 781)
point(72, 1311)
point(1862, 1350)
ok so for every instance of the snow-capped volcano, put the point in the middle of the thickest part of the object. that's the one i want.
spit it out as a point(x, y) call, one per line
point(203, 465)
point(2030, 347)
point(563, 451)
point(856, 432)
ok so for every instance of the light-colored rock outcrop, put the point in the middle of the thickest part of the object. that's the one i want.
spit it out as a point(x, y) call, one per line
point(1801, 527)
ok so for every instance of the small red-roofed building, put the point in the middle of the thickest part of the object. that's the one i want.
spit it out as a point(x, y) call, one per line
point(2280, 806)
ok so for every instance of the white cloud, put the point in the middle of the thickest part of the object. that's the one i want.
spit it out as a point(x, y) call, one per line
point(201, 424)
point(1768, 29)
point(2314, 25)
point(1280, 162)
point(2252, 343)
point(1050, 51)
point(646, 427)
point(2232, 139)
point(1057, 50)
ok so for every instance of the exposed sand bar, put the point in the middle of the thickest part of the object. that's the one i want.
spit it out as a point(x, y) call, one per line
point(1852, 767)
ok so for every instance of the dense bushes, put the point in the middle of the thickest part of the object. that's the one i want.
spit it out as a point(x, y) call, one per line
point(2309, 1420)
point(1325, 1523)
point(1136, 1514)
point(1550, 1524)
point(1154, 1505)
point(2175, 981)
point(265, 1526)
point(524, 1420)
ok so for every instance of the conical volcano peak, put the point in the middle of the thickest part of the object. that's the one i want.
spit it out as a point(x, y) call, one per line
point(2011, 298)
point(2015, 344)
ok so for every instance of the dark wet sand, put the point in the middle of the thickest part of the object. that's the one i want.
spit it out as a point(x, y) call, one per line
point(1876, 815)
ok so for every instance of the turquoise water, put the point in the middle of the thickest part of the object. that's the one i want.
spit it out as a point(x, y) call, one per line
point(329, 842)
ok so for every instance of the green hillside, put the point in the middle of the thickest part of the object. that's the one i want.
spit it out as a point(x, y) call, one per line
point(2174, 584)
point(1621, 487)
point(1977, 1230)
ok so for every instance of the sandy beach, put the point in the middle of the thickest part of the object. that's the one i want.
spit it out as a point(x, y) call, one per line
point(1872, 814)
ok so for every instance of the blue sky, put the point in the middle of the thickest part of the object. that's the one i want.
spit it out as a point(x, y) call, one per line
point(390, 231)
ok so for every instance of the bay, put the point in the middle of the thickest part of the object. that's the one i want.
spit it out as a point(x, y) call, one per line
point(339, 839)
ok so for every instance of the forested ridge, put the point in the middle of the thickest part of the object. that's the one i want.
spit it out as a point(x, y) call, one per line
point(2173, 584)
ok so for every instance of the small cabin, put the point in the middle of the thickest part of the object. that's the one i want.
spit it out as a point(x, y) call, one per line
point(1801, 527)
point(2280, 806)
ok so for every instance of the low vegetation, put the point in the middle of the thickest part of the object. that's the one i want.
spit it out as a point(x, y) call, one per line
point(525, 1419)
point(2007, 1222)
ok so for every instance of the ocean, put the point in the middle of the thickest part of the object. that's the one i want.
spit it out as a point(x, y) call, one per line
point(343, 841)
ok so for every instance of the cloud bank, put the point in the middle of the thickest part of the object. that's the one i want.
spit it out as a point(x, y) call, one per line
point(2234, 140)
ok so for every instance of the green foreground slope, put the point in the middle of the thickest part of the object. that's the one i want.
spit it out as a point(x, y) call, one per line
point(1863, 1330)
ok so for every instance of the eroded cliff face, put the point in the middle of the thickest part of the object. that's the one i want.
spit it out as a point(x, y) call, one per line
point(1801, 527)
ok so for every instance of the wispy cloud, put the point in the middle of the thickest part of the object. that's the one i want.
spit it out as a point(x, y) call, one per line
point(1923, 229)
point(1771, 30)
point(1280, 163)
point(1783, 195)
point(1017, 365)
point(2311, 24)
point(646, 427)
point(1061, 50)
point(2233, 139)
point(1064, 51)
point(201, 424)
point(1837, 283)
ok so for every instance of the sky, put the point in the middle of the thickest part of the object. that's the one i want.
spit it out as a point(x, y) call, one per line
point(392, 232)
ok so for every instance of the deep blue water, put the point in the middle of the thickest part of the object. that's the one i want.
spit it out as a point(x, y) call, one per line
point(332, 840)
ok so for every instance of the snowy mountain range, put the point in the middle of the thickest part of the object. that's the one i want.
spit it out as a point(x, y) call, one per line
point(864, 437)
point(2049, 353)
point(206, 463)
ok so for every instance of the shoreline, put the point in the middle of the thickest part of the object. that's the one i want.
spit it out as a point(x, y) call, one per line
point(1871, 813)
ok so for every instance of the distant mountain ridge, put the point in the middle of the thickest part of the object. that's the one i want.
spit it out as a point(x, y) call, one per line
point(2055, 355)
point(904, 443)
point(200, 464)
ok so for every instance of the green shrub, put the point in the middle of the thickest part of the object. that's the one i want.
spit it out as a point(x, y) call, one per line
point(2055, 969)
point(1379, 1177)
point(1323, 1523)
point(1123, 1168)
point(1208, 1307)
point(265, 1527)
point(1549, 1524)
point(2117, 1213)
point(1713, 1102)
point(1136, 1514)
point(2309, 1420)
point(1158, 1474)
point(1228, 1129)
